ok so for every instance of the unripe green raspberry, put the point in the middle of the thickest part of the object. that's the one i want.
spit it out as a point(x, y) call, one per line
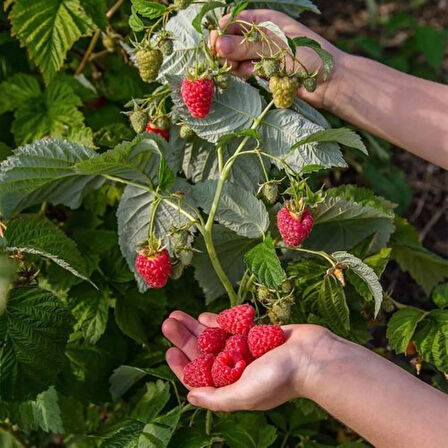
point(182, 4)
point(109, 43)
point(222, 81)
point(149, 62)
point(287, 286)
point(271, 66)
point(186, 256)
point(166, 46)
point(163, 122)
point(177, 270)
point(138, 120)
point(310, 84)
point(264, 295)
point(280, 312)
point(186, 132)
point(284, 90)
point(269, 192)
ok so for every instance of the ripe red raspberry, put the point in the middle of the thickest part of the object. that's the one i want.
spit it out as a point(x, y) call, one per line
point(263, 338)
point(294, 227)
point(212, 340)
point(165, 133)
point(198, 96)
point(198, 373)
point(237, 320)
point(227, 368)
point(238, 343)
point(154, 269)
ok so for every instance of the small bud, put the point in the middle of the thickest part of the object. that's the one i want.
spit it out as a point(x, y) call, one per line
point(166, 46)
point(222, 81)
point(253, 36)
point(177, 270)
point(138, 119)
point(287, 286)
point(269, 192)
point(185, 256)
point(281, 312)
point(163, 122)
point(310, 84)
point(271, 66)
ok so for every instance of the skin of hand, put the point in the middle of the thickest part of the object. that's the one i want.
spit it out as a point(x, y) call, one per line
point(285, 370)
point(241, 55)
point(407, 111)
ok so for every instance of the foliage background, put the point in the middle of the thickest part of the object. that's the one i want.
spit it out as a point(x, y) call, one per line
point(117, 327)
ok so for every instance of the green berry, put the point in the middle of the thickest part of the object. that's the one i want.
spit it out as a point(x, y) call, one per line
point(287, 286)
point(182, 4)
point(109, 43)
point(269, 192)
point(185, 256)
point(253, 36)
point(280, 312)
point(177, 270)
point(222, 81)
point(284, 90)
point(265, 295)
point(271, 67)
point(138, 120)
point(186, 132)
point(166, 46)
point(163, 122)
point(310, 84)
point(149, 62)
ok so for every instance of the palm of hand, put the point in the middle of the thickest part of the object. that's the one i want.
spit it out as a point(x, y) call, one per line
point(269, 381)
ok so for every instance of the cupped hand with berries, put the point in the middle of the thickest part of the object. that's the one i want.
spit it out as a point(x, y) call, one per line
point(281, 374)
point(242, 52)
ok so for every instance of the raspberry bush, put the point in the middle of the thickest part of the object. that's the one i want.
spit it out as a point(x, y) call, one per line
point(140, 157)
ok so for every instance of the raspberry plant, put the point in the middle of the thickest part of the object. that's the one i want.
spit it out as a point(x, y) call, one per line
point(215, 164)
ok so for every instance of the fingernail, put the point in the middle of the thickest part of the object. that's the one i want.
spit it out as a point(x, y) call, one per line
point(225, 45)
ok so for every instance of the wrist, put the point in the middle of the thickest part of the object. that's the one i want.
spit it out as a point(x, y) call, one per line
point(318, 357)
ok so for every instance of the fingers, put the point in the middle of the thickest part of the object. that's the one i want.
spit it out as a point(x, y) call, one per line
point(177, 360)
point(189, 322)
point(177, 333)
point(234, 48)
point(227, 399)
point(208, 319)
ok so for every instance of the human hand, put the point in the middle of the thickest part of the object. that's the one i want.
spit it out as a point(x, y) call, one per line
point(241, 55)
point(280, 375)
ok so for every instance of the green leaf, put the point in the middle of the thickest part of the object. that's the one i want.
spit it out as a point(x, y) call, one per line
point(379, 261)
point(49, 28)
point(91, 310)
point(46, 412)
point(326, 57)
point(7, 440)
point(135, 22)
point(401, 327)
point(232, 110)
point(17, 90)
point(96, 10)
point(282, 128)
point(43, 171)
point(124, 377)
point(152, 402)
point(136, 313)
point(146, 8)
point(341, 225)
point(293, 8)
point(34, 235)
point(33, 332)
point(431, 42)
point(431, 339)
point(366, 273)
point(124, 435)
point(230, 248)
point(264, 263)
point(158, 433)
point(185, 45)
point(207, 7)
point(332, 305)
point(343, 136)
point(238, 210)
point(425, 267)
point(48, 115)
point(440, 295)
point(246, 430)
point(7, 271)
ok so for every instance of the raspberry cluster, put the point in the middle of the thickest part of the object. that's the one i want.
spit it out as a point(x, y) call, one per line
point(227, 350)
